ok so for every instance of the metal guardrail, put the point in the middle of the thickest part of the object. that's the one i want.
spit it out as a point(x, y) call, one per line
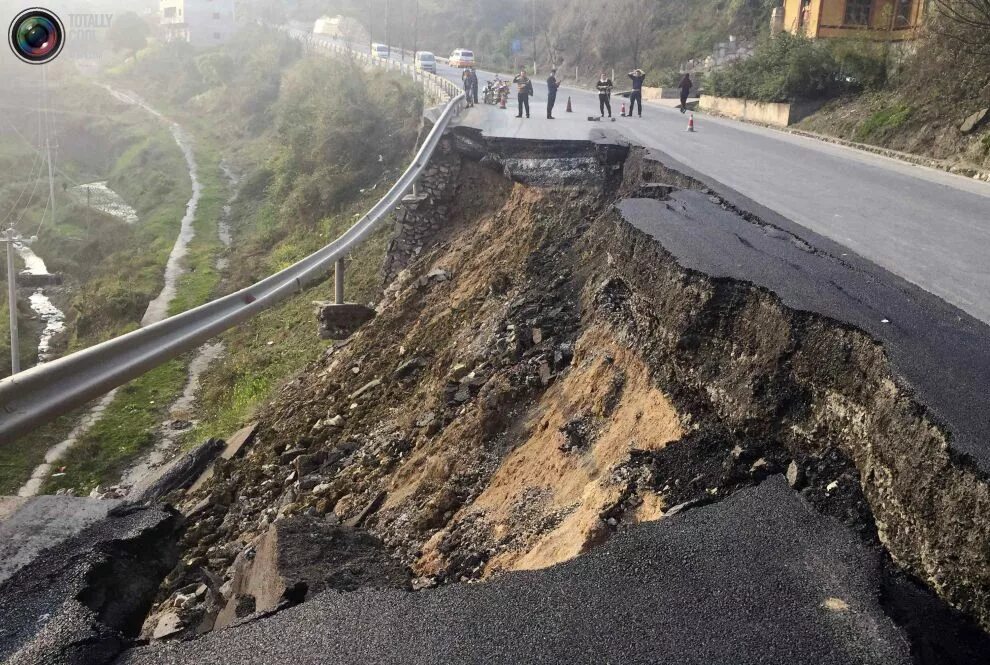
point(44, 392)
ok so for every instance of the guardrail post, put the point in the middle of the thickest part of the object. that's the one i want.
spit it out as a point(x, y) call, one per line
point(338, 282)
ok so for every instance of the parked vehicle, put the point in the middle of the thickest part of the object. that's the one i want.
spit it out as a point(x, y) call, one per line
point(426, 62)
point(380, 51)
point(462, 58)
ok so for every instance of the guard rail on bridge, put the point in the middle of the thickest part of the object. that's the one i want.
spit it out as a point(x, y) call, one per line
point(42, 393)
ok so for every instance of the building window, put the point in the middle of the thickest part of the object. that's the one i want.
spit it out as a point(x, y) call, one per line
point(902, 17)
point(169, 12)
point(858, 12)
point(216, 35)
point(216, 16)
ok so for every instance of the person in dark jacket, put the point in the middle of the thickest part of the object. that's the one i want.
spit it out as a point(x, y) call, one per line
point(523, 89)
point(604, 95)
point(473, 83)
point(552, 85)
point(685, 86)
point(466, 80)
point(637, 76)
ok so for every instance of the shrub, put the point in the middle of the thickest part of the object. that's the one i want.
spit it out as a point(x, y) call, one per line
point(862, 64)
point(782, 69)
point(883, 122)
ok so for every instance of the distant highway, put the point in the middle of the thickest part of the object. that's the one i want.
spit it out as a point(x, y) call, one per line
point(927, 226)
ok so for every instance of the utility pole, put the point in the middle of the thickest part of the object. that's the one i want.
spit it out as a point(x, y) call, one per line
point(534, 37)
point(51, 177)
point(416, 27)
point(388, 39)
point(15, 358)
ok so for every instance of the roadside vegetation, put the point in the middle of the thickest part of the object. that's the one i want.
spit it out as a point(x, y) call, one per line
point(306, 173)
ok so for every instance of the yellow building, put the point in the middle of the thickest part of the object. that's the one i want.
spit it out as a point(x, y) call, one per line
point(878, 19)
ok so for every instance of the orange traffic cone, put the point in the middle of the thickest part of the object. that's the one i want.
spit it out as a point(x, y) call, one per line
point(569, 109)
point(691, 123)
point(501, 101)
point(623, 111)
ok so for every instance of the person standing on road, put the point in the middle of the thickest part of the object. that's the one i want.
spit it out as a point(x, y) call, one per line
point(685, 85)
point(473, 83)
point(524, 88)
point(604, 94)
point(466, 81)
point(637, 76)
point(552, 85)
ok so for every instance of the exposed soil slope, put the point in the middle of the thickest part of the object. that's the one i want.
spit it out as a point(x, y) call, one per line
point(544, 374)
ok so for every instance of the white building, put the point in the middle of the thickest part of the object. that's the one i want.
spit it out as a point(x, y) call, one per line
point(200, 22)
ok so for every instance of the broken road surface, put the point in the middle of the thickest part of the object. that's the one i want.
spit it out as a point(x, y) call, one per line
point(757, 578)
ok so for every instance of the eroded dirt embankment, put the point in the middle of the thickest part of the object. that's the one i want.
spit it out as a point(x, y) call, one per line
point(544, 374)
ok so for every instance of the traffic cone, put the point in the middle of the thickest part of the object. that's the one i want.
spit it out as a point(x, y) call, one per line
point(622, 112)
point(569, 109)
point(501, 101)
point(691, 123)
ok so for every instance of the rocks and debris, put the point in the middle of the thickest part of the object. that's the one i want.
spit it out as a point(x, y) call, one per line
point(180, 473)
point(301, 556)
point(341, 321)
point(974, 121)
point(577, 433)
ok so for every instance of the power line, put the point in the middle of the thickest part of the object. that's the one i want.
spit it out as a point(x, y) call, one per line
point(34, 165)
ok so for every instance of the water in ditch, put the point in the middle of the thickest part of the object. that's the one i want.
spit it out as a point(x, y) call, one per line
point(157, 309)
point(41, 304)
point(181, 411)
point(100, 197)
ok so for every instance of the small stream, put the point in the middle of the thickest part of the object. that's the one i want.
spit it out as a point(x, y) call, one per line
point(100, 197)
point(41, 304)
point(157, 309)
point(182, 410)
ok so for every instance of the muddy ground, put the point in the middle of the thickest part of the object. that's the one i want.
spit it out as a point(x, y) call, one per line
point(542, 375)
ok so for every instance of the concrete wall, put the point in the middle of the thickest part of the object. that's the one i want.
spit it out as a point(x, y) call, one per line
point(664, 93)
point(779, 115)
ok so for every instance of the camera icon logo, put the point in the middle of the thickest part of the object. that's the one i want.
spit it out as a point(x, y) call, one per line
point(36, 36)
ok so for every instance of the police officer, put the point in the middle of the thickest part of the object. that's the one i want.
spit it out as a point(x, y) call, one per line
point(552, 85)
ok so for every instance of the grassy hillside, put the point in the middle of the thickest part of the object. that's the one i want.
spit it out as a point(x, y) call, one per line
point(306, 173)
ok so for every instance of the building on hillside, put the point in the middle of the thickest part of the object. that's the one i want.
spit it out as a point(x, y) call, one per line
point(343, 28)
point(894, 20)
point(201, 23)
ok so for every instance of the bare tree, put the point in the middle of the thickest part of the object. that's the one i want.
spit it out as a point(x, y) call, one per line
point(966, 22)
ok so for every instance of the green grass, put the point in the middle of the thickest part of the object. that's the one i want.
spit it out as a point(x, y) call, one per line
point(883, 122)
point(126, 430)
point(199, 282)
point(251, 369)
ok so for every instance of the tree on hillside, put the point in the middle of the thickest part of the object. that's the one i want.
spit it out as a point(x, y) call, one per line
point(966, 22)
point(128, 32)
point(636, 28)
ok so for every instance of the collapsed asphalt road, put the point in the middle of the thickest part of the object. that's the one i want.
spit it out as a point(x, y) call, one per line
point(82, 601)
point(758, 578)
point(592, 283)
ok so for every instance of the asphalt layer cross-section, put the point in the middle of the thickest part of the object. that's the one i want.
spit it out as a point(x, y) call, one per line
point(757, 578)
point(930, 227)
point(942, 353)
